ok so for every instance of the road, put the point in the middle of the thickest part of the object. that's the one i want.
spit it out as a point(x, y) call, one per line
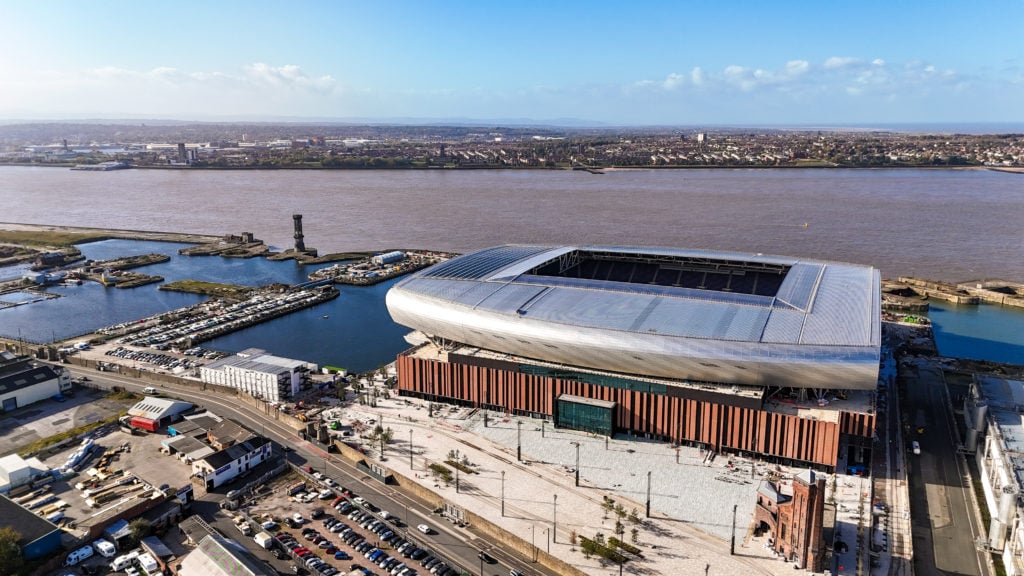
point(942, 508)
point(457, 544)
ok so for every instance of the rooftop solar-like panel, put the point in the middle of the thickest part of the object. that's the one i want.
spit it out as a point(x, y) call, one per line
point(799, 286)
point(482, 264)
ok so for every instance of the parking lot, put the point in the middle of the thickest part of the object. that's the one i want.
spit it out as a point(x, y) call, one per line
point(322, 528)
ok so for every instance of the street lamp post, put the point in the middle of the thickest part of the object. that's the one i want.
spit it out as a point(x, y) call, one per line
point(547, 532)
point(542, 423)
point(481, 565)
point(502, 493)
point(533, 544)
point(577, 444)
point(648, 494)
point(519, 440)
point(456, 479)
point(554, 519)
point(410, 448)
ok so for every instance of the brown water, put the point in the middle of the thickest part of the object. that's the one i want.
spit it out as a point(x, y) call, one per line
point(942, 224)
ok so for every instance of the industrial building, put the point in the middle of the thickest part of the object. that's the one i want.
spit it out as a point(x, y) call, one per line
point(24, 381)
point(39, 537)
point(16, 472)
point(153, 414)
point(258, 374)
point(763, 355)
point(995, 434)
point(220, 556)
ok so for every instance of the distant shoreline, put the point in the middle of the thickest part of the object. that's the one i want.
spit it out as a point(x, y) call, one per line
point(597, 169)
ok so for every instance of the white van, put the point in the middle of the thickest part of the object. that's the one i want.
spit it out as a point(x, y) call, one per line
point(105, 548)
point(915, 447)
point(78, 555)
point(149, 390)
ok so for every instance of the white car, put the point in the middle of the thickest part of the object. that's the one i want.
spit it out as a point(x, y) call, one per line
point(297, 518)
point(269, 525)
point(423, 528)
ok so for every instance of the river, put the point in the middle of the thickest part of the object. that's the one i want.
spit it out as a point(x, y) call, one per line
point(953, 225)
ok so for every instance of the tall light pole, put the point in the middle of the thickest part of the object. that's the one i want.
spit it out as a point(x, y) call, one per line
point(648, 515)
point(410, 448)
point(456, 479)
point(533, 544)
point(502, 493)
point(519, 440)
point(554, 519)
point(577, 444)
point(547, 532)
point(542, 423)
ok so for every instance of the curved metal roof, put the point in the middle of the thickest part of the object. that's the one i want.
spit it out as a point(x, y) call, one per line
point(817, 326)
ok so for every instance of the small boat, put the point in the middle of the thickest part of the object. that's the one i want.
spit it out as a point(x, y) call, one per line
point(326, 316)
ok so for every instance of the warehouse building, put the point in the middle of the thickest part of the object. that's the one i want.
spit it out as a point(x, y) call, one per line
point(762, 355)
point(152, 413)
point(38, 537)
point(219, 556)
point(24, 381)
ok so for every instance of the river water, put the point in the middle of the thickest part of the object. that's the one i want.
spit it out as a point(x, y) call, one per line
point(939, 224)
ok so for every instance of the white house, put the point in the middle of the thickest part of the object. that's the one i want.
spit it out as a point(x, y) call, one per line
point(224, 465)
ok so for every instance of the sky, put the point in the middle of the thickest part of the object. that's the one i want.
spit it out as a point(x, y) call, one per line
point(612, 63)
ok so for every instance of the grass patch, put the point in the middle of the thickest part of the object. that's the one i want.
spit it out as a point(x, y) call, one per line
point(462, 467)
point(47, 238)
point(442, 472)
point(44, 443)
point(123, 395)
point(215, 289)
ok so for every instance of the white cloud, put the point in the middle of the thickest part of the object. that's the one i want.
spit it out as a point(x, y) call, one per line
point(840, 62)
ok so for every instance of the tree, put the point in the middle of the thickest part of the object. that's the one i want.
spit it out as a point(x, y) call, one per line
point(620, 511)
point(635, 535)
point(572, 539)
point(634, 517)
point(139, 528)
point(619, 528)
point(10, 553)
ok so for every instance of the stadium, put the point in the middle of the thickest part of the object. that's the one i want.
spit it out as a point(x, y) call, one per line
point(763, 355)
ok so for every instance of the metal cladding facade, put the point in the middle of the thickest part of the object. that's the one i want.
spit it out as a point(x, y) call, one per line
point(703, 316)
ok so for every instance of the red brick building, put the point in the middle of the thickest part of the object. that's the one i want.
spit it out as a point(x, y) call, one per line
point(794, 520)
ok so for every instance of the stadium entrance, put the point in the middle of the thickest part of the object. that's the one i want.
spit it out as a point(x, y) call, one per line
point(585, 414)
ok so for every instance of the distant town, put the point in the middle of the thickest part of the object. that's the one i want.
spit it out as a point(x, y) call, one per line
point(336, 146)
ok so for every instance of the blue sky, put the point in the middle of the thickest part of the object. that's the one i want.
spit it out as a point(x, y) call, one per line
point(618, 63)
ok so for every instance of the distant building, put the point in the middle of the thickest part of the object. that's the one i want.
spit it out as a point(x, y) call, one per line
point(995, 430)
point(220, 556)
point(258, 374)
point(225, 465)
point(388, 258)
point(23, 381)
point(795, 519)
point(39, 537)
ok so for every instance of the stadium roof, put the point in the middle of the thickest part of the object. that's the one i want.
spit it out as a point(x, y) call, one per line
point(712, 316)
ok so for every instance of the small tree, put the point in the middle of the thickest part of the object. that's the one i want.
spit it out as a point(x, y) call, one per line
point(634, 517)
point(10, 553)
point(599, 538)
point(619, 528)
point(139, 529)
point(620, 511)
point(635, 536)
point(572, 539)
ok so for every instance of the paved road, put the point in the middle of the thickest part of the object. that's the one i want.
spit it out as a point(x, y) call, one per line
point(942, 512)
point(458, 544)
